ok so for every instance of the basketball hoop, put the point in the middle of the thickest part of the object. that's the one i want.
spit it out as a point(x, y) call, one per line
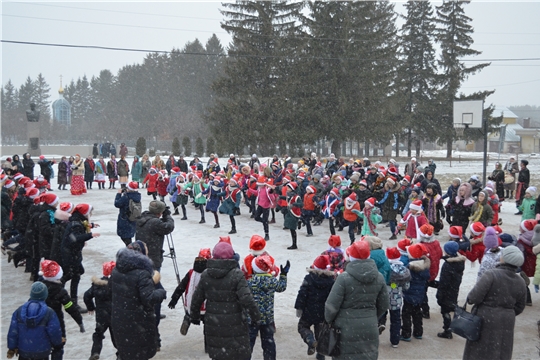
point(460, 129)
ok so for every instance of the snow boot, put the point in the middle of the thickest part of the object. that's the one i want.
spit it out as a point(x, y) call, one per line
point(266, 237)
point(312, 344)
point(233, 231)
point(446, 334)
point(185, 325)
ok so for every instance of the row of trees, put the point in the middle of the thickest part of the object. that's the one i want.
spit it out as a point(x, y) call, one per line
point(295, 72)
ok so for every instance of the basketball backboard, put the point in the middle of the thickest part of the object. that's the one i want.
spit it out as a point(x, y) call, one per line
point(469, 113)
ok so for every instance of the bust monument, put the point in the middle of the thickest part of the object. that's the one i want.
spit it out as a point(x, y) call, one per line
point(32, 115)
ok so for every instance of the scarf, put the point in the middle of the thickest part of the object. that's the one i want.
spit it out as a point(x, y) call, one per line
point(372, 226)
point(432, 209)
point(92, 164)
point(383, 200)
point(477, 214)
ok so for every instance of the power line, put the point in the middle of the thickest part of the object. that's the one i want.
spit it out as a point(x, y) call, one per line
point(488, 86)
point(229, 55)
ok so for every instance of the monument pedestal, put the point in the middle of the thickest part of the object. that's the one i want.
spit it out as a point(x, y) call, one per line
point(33, 139)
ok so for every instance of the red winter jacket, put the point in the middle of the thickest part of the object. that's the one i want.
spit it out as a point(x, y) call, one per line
point(434, 254)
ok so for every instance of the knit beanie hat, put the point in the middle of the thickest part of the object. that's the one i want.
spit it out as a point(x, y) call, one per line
point(138, 246)
point(513, 256)
point(374, 242)
point(531, 190)
point(223, 250)
point(156, 207)
point(491, 240)
point(536, 236)
point(39, 291)
point(451, 248)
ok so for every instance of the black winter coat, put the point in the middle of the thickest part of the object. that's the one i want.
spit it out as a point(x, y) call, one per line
point(133, 299)
point(101, 290)
point(199, 265)
point(28, 167)
point(461, 214)
point(419, 269)
point(450, 281)
point(57, 299)
point(72, 244)
point(228, 297)
point(125, 228)
point(46, 230)
point(32, 230)
point(56, 247)
point(312, 295)
point(6, 209)
point(21, 205)
point(152, 231)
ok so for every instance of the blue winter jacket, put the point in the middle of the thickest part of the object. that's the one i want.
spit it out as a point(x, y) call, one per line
point(419, 269)
point(383, 265)
point(125, 228)
point(34, 330)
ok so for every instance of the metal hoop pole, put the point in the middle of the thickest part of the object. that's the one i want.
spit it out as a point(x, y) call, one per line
point(172, 256)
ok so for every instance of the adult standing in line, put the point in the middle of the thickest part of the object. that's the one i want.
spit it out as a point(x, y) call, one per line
point(46, 167)
point(511, 168)
point(152, 227)
point(89, 171)
point(123, 149)
point(112, 171)
point(28, 166)
point(123, 171)
point(62, 173)
point(125, 228)
point(228, 297)
point(357, 300)
point(499, 296)
point(410, 168)
point(77, 176)
point(524, 178)
point(182, 164)
point(133, 299)
point(136, 169)
point(146, 164)
point(101, 172)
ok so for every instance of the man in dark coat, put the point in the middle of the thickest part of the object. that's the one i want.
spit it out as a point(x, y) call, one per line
point(46, 167)
point(28, 166)
point(182, 164)
point(124, 227)
point(134, 297)
point(47, 224)
point(227, 296)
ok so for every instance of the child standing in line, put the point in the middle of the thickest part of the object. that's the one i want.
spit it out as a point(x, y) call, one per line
point(476, 248)
point(311, 299)
point(449, 283)
point(263, 285)
point(412, 297)
point(528, 204)
point(102, 292)
point(399, 280)
point(434, 253)
point(188, 285)
point(492, 254)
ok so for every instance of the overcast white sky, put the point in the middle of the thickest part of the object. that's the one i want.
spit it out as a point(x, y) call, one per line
point(503, 30)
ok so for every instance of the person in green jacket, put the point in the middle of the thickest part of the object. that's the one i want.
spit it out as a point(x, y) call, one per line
point(358, 298)
point(528, 204)
point(197, 186)
point(136, 169)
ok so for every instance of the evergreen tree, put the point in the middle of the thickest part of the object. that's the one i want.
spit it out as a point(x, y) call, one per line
point(186, 143)
point(176, 149)
point(9, 96)
point(42, 96)
point(211, 146)
point(140, 147)
point(417, 75)
point(199, 146)
point(454, 37)
point(27, 93)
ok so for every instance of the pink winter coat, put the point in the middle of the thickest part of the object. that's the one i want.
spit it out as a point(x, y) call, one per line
point(267, 197)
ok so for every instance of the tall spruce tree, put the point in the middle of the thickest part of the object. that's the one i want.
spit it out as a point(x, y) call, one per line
point(42, 96)
point(454, 36)
point(417, 75)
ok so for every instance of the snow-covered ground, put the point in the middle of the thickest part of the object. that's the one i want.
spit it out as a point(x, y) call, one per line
point(189, 236)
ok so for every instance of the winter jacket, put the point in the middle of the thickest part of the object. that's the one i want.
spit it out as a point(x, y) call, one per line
point(6, 203)
point(122, 168)
point(46, 169)
point(34, 330)
point(536, 251)
point(59, 298)
point(292, 212)
point(357, 299)
point(434, 211)
point(414, 223)
point(75, 235)
point(89, 170)
point(525, 245)
point(188, 285)
point(378, 255)
point(434, 254)
point(263, 287)
point(399, 279)
point(227, 296)
point(499, 296)
point(136, 169)
point(61, 222)
point(125, 228)
point(489, 261)
point(313, 293)
point(390, 201)
point(198, 189)
point(487, 213)
point(21, 216)
point(100, 290)
point(231, 202)
point(152, 231)
point(375, 219)
point(451, 193)
point(214, 194)
point(419, 269)
point(77, 168)
point(133, 299)
point(267, 197)
point(145, 167)
point(28, 167)
point(46, 230)
point(162, 185)
point(450, 281)
point(528, 207)
point(112, 170)
point(62, 176)
point(460, 208)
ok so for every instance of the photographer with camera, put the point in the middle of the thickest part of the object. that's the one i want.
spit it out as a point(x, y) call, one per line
point(152, 227)
point(128, 200)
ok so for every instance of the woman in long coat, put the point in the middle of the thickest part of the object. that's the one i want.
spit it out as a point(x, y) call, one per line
point(497, 176)
point(499, 296)
point(89, 170)
point(77, 178)
point(512, 168)
point(228, 298)
point(62, 173)
point(123, 171)
point(136, 169)
point(358, 298)
point(112, 171)
point(28, 166)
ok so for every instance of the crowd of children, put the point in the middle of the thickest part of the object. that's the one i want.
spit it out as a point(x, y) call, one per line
point(47, 237)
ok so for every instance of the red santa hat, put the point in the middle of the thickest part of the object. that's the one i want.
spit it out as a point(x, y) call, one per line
point(292, 185)
point(334, 192)
point(416, 251)
point(32, 193)
point(9, 183)
point(528, 225)
point(370, 202)
point(351, 199)
point(403, 244)
point(392, 253)
point(261, 180)
point(29, 184)
point(24, 180)
point(215, 161)
point(334, 241)
point(175, 169)
point(205, 253)
point(311, 189)
point(153, 170)
point(257, 244)
point(455, 232)
point(235, 179)
point(83, 209)
point(41, 157)
point(322, 262)
point(391, 180)
point(426, 232)
point(108, 268)
point(392, 170)
point(363, 182)
point(477, 228)
point(50, 270)
point(358, 250)
point(66, 206)
point(301, 175)
point(133, 186)
point(407, 178)
point(263, 264)
point(416, 205)
point(18, 176)
point(50, 199)
point(3, 177)
point(270, 183)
